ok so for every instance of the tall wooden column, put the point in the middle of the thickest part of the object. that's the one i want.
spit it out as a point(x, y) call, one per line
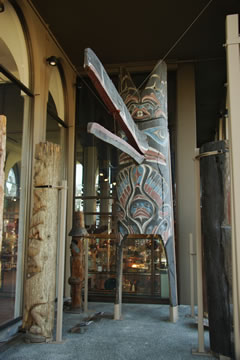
point(216, 235)
point(40, 282)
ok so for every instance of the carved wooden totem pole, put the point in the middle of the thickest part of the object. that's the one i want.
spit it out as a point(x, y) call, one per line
point(2, 173)
point(40, 289)
point(144, 177)
point(76, 279)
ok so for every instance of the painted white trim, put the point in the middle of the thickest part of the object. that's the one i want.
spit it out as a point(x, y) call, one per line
point(56, 90)
point(233, 74)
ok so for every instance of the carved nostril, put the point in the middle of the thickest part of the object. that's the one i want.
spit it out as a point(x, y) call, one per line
point(139, 113)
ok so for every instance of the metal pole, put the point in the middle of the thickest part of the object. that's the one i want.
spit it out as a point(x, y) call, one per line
point(199, 259)
point(191, 254)
point(118, 300)
point(86, 276)
point(63, 192)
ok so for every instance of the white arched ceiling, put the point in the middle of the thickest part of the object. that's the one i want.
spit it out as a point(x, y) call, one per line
point(56, 90)
point(12, 41)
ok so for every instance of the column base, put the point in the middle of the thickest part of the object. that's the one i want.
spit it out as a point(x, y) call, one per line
point(117, 312)
point(173, 312)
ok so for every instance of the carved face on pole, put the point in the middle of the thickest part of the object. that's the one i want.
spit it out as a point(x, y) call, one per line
point(144, 196)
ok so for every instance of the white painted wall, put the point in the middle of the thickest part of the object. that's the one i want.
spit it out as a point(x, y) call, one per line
point(12, 35)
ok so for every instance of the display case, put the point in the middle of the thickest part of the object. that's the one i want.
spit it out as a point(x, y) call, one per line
point(145, 271)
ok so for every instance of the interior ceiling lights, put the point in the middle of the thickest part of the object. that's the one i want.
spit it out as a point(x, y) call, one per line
point(1, 7)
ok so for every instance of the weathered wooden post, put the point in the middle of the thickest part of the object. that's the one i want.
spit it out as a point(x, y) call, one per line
point(76, 279)
point(40, 281)
point(216, 229)
point(2, 173)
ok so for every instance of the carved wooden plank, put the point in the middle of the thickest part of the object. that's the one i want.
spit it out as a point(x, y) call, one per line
point(113, 101)
point(216, 229)
point(40, 281)
point(105, 135)
point(2, 174)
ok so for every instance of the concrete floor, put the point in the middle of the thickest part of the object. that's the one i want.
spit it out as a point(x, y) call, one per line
point(145, 333)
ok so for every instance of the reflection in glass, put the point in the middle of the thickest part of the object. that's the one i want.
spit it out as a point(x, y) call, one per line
point(79, 187)
point(9, 95)
point(53, 131)
point(11, 184)
point(145, 270)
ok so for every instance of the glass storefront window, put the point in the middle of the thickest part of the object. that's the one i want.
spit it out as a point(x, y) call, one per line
point(95, 163)
point(9, 94)
point(15, 104)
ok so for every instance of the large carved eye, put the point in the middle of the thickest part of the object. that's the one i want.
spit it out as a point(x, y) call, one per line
point(147, 205)
point(131, 107)
point(148, 106)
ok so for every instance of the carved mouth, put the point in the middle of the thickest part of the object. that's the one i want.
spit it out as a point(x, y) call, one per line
point(141, 114)
point(141, 213)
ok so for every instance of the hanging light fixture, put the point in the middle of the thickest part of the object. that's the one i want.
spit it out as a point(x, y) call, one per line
point(52, 60)
point(1, 7)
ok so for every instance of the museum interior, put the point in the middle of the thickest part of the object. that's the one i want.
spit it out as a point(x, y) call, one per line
point(47, 96)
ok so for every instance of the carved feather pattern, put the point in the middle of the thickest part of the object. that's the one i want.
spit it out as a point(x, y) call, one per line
point(144, 196)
